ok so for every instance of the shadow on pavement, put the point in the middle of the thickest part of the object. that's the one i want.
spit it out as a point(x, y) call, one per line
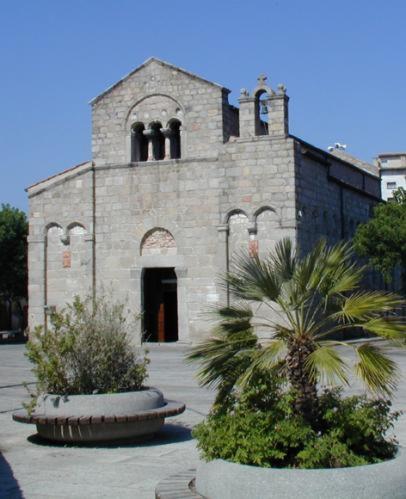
point(170, 434)
point(9, 487)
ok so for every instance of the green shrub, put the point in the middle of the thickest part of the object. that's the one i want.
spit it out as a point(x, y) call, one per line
point(87, 350)
point(251, 438)
point(261, 429)
point(327, 451)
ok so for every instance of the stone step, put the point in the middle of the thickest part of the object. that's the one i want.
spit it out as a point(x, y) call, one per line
point(178, 486)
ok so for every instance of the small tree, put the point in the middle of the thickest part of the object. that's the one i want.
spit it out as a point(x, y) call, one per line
point(383, 238)
point(13, 254)
point(86, 350)
point(310, 298)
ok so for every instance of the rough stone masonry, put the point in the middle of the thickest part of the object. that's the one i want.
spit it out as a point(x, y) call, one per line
point(179, 183)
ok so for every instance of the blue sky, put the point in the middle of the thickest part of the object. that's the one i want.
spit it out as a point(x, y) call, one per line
point(343, 64)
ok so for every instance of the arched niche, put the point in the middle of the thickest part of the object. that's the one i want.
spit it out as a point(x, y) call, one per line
point(268, 228)
point(68, 264)
point(238, 224)
point(232, 212)
point(158, 241)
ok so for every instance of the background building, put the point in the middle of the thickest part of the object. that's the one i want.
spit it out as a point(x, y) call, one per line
point(393, 172)
point(179, 183)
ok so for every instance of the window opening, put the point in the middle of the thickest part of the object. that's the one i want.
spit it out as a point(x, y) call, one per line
point(261, 112)
point(175, 139)
point(158, 144)
point(139, 143)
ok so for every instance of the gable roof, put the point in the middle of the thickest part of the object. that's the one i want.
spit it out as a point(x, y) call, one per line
point(162, 63)
point(67, 173)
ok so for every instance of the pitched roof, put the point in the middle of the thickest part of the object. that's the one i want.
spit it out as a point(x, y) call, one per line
point(62, 174)
point(162, 63)
point(367, 168)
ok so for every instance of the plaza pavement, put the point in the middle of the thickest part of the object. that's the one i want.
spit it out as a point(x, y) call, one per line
point(33, 469)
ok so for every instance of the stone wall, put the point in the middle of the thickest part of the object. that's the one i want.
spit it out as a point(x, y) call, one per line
point(333, 198)
point(158, 92)
point(192, 199)
point(60, 241)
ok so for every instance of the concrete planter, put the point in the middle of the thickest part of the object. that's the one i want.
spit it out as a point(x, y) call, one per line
point(220, 479)
point(100, 417)
point(105, 404)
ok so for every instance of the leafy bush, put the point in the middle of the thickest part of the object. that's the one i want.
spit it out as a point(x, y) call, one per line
point(87, 350)
point(256, 429)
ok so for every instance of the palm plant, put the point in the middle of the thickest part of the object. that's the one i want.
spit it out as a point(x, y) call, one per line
point(308, 300)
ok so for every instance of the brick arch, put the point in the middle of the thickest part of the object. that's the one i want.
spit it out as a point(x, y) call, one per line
point(158, 241)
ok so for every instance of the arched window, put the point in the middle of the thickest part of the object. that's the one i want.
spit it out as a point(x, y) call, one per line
point(261, 112)
point(158, 140)
point(139, 143)
point(174, 126)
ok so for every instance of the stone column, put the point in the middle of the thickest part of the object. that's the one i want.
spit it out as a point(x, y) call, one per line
point(183, 319)
point(182, 137)
point(167, 133)
point(253, 248)
point(36, 281)
point(247, 114)
point(91, 256)
point(150, 134)
point(278, 117)
point(222, 259)
point(135, 303)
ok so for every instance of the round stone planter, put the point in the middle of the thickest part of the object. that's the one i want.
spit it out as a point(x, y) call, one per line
point(100, 417)
point(220, 479)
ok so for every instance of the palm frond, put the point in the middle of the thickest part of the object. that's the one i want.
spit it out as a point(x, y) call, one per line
point(343, 278)
point(222, 356)
point(308, 270)
point(253, 279)
point(234, 318)
point(391, 328)
point(265, 359)
point(379, 373)
point(334, 272)
point(282, 333)
point(283, 259)
point(365, 305)
point(325, 365)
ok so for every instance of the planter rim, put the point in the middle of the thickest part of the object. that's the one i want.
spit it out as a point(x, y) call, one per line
point(142, 389)
point(99, 404)
point(220, 479)
point(400, 453)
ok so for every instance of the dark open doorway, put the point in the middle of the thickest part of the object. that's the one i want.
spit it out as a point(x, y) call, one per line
point(160, 304)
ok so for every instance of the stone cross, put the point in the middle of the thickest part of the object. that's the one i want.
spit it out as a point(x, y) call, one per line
point(262, 80)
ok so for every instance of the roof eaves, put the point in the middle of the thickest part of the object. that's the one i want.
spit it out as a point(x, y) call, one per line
point(63, 172)
point(326, 155)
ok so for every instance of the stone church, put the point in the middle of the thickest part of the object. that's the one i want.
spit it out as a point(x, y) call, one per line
point(179, 182)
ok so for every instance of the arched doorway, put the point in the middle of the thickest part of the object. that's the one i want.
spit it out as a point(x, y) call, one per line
point(160, 305)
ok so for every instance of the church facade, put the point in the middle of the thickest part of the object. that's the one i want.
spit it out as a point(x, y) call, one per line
point(179, 183)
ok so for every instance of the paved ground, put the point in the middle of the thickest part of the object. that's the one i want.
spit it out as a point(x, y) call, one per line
point(30, 468)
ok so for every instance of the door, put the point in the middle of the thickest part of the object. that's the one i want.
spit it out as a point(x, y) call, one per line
point(160, 305)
